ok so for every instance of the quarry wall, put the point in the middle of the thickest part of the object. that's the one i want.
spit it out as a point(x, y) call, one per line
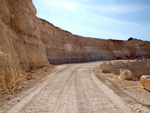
point(28, 42)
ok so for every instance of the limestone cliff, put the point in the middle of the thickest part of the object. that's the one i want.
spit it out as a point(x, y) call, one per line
point(28, 42)
point(20, 42)
point(63, 47)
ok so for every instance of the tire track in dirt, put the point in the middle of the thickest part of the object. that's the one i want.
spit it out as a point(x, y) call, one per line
point(74, 89)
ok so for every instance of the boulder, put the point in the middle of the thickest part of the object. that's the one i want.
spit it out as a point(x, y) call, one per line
point(104, 68)
point(104, 62)
point(145, 82)
point(126, 74)
point(109, 63)
point(121, 70)
point(115, 62)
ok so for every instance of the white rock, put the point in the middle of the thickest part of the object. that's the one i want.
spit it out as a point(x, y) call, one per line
point(125, 74)
point(145, 82)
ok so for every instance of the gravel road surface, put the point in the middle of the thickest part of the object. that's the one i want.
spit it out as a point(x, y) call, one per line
point(71, 89)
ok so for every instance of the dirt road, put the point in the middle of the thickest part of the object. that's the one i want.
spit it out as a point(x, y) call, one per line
point(71, 89)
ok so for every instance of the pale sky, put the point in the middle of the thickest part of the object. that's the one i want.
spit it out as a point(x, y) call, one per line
point(106, 19)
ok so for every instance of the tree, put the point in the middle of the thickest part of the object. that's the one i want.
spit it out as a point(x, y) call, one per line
point(130, 38)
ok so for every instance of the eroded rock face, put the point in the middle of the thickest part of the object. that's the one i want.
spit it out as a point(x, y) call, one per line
point(27, 42)
point(10, 70)
point(62, 46)
point(20, 17)
point(20, 45)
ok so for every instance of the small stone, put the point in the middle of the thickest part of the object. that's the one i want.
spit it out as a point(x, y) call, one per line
point(9, 97)
point(18, 88)
point(29, 76)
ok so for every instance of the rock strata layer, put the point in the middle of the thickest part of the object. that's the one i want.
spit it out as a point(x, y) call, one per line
point(28, 42)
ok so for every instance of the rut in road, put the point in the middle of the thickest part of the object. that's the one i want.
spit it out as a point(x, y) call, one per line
point(74, 89)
